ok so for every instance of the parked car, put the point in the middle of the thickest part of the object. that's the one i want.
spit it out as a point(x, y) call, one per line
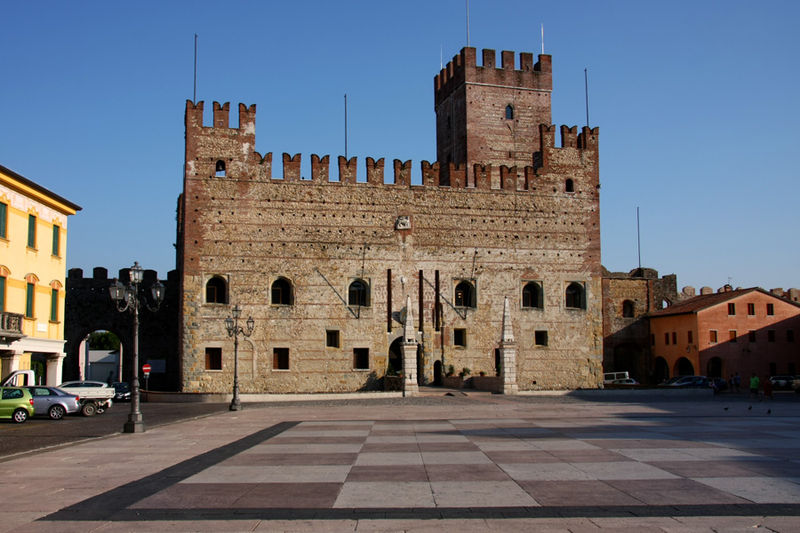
point(122, 391)
point(687, 382)
point(625, 381)
point(670, 381)
point(54, 402)
point(16, 404)
point(782, 382)
point(96, 396)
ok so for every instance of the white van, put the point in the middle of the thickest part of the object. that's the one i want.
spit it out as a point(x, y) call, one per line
point(610, 377)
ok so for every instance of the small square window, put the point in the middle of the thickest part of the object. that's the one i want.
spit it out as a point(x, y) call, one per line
point(731, 309)
point(361, 358)
point(666, 339)
point(690, 336)
point(213, 358)
point(280, 358)
point(770, 335)
point(751, 336)
point(790, 337)
point(732, 335)
point(674, 337)
point(460, 337)
point(712, 336)
point(770, 309)
point(540, 337)
point(751, 309)
point(332, 338)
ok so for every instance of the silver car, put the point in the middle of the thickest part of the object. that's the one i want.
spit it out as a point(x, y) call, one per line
point(53, 401)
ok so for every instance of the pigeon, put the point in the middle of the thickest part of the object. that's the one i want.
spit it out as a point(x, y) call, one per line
point(769, 411)
point(725, 408)
point(749, 407)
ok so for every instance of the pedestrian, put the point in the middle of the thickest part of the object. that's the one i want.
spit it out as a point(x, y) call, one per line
point(737, 380)
point(730, 383)
point(767, 388)
point(754, 384)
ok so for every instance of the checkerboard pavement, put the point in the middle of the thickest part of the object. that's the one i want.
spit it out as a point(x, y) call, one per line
point(495, 464)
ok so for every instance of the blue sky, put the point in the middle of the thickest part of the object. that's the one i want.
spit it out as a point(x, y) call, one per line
point(695, 101)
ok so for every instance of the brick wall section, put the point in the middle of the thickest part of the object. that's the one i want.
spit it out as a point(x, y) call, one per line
point(250, 228)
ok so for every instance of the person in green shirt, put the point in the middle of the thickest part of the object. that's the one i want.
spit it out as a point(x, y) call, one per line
point(754, 383)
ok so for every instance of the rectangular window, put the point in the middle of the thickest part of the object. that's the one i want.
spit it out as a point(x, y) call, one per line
point(674, 337)
point(690, 336)
point(280, 358)
point(751, 309)
point(540, 337)
point(332, 338)
point(360, 358)
point(731, 309)
point(2, 294)
point(53, 305)
point(770, 335)
point(213, 358)
point(460, 337)
point(56, 241)
point(3, 221)
point(751, 336)
point(29, 293)
point(789, 332)
point(732, 335)
point(666, 339)
point(712, 336)
point(770, 309)
point(32, 231)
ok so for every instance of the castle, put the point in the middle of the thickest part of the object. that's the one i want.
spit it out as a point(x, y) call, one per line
point(352, 277)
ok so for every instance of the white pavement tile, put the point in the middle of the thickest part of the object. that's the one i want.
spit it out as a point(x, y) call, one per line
point(272, 474)
point(757, 489)
point(513, 445)
point(544, 472)
point(623, 470)
point(401, 494)
point(327, 433)
point(304, 448)
point(432, 437)
point(560, 444)
point(480, 494)
point(455, 458)
point(389, 458)
point(391, 439)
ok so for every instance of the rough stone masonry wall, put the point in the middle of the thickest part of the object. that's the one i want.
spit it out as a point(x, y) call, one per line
point(320, 235)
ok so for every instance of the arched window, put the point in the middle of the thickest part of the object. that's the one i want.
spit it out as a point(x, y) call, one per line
point(627, 309)
point(216, 291)
point(509, 112)
point(358, 293)
point(569, 186)
point(219, 170)
point(465, 294)
point(575, 298)
point(282, 292)
point(532, 295)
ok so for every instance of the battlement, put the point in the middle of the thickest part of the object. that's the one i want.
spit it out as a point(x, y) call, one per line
point(247, 116)
point(464, 69)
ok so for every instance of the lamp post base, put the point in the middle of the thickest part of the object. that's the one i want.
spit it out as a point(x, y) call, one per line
point(133, 426)
point(236, 405)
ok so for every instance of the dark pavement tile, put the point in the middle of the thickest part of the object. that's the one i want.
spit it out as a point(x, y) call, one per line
point(289, 496)
point(674, 492)
point(522, 456)
point(694, 469)
point(448, 447)
point(196, 495)
point(576, 493)
point(588, 456)
point(315, 440)
point(389, 447)
point(475, 472)
point(388, 473)
point(646, 443)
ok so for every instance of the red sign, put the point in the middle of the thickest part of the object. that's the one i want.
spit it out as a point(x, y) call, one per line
point(146, 368)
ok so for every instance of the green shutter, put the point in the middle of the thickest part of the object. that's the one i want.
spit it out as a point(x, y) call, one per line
point(3, 220)
point(54, 305)
point(31, 231)
point(56, 241)
point(29, 301)
point(2, 294)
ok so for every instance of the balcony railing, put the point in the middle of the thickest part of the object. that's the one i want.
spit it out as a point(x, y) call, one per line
point(10, 327)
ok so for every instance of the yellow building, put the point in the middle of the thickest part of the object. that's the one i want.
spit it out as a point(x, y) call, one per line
point(33, 265)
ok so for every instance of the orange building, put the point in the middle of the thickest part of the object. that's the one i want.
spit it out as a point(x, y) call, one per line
point(717, 335)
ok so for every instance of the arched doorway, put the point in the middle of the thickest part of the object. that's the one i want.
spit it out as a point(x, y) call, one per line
point(498, 363)
point(661, 370)
point(395, 363)
point(437, 373)
point(714, 367)
point(683, 367)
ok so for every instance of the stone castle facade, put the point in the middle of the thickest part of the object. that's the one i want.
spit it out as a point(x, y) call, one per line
point(347, 274)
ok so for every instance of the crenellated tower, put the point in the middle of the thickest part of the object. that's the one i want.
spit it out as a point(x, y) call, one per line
point(486, 114)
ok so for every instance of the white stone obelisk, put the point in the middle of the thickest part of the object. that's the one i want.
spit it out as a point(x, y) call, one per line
point(409, 344)
point(508, 353)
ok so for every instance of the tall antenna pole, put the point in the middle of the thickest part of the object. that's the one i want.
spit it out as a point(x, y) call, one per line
point(467, 22)
point(441, 57)
point(542, 38)
point(586, 82)
point(194, 89)
point(345, 125)
point(638, 238)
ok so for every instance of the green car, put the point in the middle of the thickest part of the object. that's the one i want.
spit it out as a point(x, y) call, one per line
point(15, 403)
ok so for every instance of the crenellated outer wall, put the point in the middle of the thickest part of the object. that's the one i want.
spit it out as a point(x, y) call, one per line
point(499, 226)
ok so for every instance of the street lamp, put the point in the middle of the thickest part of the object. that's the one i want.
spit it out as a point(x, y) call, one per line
point(234, 330)
point(127, 299)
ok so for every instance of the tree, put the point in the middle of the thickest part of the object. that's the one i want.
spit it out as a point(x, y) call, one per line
point(103, 340)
